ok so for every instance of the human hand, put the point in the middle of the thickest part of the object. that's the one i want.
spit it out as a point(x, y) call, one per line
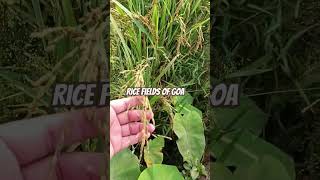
point(27, 147)
point(125, 125)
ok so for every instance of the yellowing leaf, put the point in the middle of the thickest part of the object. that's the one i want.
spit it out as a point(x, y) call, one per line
point(191, 141)
point(152, 152)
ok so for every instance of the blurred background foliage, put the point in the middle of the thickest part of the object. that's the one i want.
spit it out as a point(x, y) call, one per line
point(272, 49)
point(44, 42)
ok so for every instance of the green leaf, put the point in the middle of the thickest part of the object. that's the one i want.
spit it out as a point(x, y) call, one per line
point(160, 172)
point(255, 7)
point(154, 99)
point(180, 100)
point(190, 132)
point(268, 168)
point(220, 172)
point(246, 116)
point(152, 152)
point(245, 148)
point(37, 12)
point(123, 165)
point(194, 173)
point(251, 72)
point(189, 108)
point(296, 37)
point(260, 63)
point(15, 81)
point(70, 19)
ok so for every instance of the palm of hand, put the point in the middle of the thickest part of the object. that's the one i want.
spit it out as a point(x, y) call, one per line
point(125, 125)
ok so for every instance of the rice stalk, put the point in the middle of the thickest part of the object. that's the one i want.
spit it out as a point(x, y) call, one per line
point(138, 81)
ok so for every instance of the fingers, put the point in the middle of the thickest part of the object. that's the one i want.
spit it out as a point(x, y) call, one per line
point(80, 166)
point(135, 128)
point(133, 139)
point(132, 116)
point(35, 138)
point(121, 105)
point(10, 167)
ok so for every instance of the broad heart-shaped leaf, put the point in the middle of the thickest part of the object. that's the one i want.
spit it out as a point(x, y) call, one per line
point(183, 104)
point(243, 148)
point(161, 172)
point(185, 109)
point(152, 152)
point(180, 101)
point(123, 165)
point(246, 116)
point(191, 141)
point(268, 168)
point(219, 172)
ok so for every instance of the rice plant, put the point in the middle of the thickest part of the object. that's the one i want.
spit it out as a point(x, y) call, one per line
point(153, 44)
point(162, 44)
point(66, 31)
point(164, 35)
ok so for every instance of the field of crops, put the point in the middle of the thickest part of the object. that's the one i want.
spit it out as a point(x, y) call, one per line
point(271, 48)
point(163, 44)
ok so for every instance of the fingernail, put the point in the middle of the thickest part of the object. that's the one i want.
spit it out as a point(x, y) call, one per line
point(150, 114)
point(151, 128)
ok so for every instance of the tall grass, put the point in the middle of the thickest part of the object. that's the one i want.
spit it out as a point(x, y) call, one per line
point(270, 47)
point(74, 39)
point(167, 35)
point(166, 43)
point(73, 36)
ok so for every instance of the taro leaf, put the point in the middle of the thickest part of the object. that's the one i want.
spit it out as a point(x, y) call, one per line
point(160, 172)
point(220, 172)
point(189, 108)
point(265, 169)
point(268, 168)
point(152, 152)
point(183, 104)
point(243, 148)
point(180, 101)
point(246, 116)
point(191, 141)
point(123, 165)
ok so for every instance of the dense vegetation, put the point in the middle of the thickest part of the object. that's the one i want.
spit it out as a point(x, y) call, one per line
point(270, 47)
point(163, 44)
point(45, 42)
